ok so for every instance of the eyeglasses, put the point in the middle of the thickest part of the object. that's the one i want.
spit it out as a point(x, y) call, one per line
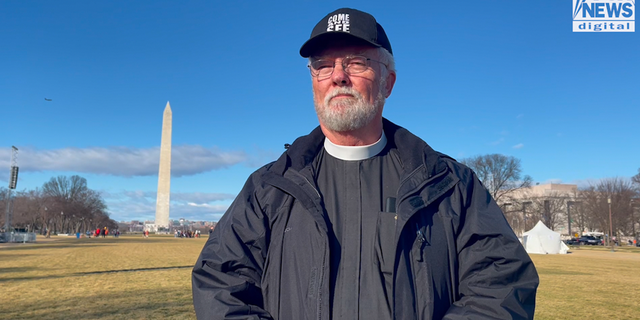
point(323, 68)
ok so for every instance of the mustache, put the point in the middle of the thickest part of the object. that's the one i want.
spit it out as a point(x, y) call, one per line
point(342, 90)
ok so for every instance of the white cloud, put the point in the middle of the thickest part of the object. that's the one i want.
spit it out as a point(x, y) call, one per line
point(197, 197)
point(211, 207)
point(123, 161)
point(141, 205)
point(518, 146)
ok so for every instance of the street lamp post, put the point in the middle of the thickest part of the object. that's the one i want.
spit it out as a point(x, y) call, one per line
point(610, 224)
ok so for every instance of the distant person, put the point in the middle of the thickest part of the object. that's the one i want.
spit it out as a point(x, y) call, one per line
point(97, 232)
point(361, 219)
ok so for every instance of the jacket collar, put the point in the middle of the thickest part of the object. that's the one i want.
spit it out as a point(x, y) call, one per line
point(425, 177)
point(304, 150)
point(407, 144)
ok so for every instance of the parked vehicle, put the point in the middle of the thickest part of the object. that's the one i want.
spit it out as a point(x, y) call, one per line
point(590, 240)
point(572, 242)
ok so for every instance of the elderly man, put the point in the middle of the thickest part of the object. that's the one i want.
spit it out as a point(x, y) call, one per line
point(361, 219)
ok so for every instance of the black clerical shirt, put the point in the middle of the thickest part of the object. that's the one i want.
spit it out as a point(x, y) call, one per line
point(356, 183)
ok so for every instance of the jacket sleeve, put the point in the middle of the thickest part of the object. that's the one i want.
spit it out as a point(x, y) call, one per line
point(496, 277)
point(226, 277)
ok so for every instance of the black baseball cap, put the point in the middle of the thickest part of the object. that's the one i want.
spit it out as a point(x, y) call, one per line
point(346, 23)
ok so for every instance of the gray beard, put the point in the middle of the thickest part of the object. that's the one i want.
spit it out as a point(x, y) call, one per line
point(347, 114)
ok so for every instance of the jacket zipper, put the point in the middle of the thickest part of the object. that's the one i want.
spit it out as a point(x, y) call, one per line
point(309, 182)
point(420, 237)
point(320, 284)
point(321, 275)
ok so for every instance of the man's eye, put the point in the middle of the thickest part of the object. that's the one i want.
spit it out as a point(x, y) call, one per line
point(322, 65)
point(357, 61)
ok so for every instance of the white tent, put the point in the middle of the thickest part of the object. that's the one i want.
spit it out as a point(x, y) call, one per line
point(543, 240)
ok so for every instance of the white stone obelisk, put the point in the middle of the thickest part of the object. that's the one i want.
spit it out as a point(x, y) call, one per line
point(164, 174)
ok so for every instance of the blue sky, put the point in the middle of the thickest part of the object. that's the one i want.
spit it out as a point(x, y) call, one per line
point(474, 77)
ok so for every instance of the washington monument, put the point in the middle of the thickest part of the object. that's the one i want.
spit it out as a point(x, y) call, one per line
point(164, 175)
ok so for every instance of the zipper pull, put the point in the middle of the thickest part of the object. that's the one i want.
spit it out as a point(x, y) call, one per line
point(420, 235)
point(423, 242)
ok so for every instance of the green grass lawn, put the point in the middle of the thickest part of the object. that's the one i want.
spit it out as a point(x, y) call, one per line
point(136, 278)
point(589, 283)
point(124, 278)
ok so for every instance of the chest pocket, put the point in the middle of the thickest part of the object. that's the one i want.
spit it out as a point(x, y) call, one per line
point(385, 246)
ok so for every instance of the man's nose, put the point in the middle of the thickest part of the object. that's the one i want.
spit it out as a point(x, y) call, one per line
point(339, 76)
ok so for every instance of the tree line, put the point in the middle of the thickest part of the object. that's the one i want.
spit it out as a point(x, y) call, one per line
point(608, 203)
point(62, 205)
point(66, 205)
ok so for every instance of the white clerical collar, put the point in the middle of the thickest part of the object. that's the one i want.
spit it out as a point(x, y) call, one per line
point(355, 153)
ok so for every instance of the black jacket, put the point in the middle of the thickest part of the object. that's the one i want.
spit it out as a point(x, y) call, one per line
point(456, 256)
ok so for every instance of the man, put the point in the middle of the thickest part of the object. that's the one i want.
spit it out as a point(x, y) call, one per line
point(360, 219)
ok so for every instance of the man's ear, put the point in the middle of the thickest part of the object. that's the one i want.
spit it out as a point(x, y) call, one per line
point(391, 80)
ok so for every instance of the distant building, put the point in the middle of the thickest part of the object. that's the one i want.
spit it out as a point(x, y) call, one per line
point(550, 203)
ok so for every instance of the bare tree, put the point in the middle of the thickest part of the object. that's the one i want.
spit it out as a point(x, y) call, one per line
point(578, 219)
point(4, 194)
point(550, 209)
point(636, 179)
point(513, 213)
point(79, 207)
point(24, 215)
point(596, 206)
point(64, 204)
point(500, 174)
point(65, 188)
